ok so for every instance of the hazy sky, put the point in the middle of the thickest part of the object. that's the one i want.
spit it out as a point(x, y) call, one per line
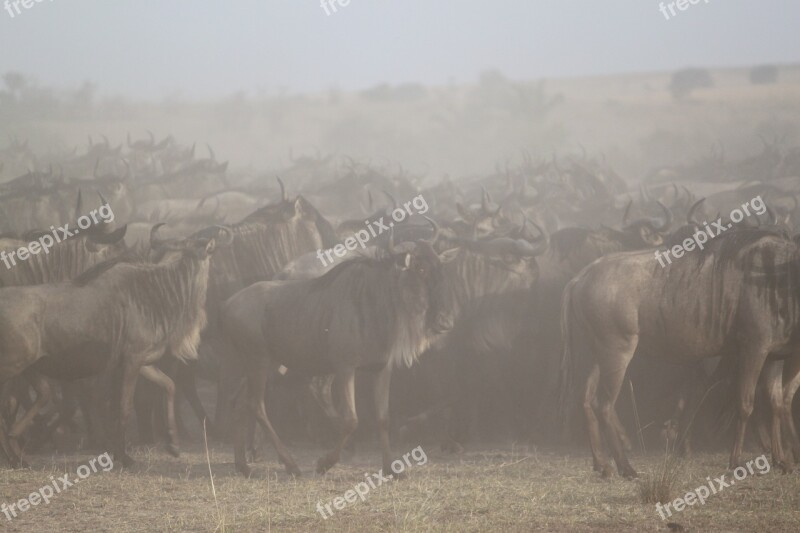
point(204, 48)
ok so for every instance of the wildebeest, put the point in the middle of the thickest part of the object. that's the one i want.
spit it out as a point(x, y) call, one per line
point(366, 313)
point(737, 298)
point(263, 243)
point(112, 320)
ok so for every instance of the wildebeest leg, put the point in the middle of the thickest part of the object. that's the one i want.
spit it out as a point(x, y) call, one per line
point(229, 377)
point(13, 457)
point(155, 375)
point(67, 408)
point(382, 383)
point(749, 371)
point(627, 445)
point(130, 371)
point(244, 422)
point(613, 365)
point(186, 380)
point(771, 377)
point(144, 403)
point(256, 386)
point(791, 382)
point(344, 385)
point(43, 395)
point(599, 460)
point(93, 408)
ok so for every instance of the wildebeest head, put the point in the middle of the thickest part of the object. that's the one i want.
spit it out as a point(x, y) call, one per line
point(645, 232)
point(162, 249)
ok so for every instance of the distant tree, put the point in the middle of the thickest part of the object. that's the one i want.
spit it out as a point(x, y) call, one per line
point(687, 80)
point(763, 74)
point(15, 82)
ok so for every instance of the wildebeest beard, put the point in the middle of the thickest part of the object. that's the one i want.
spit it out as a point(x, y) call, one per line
point(168, 299)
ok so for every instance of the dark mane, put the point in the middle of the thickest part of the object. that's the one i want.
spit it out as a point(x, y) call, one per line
point(99, 269)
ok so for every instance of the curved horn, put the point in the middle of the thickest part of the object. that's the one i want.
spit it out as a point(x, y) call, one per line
point(155, 242)
point(644, 193)
point(485, 200)
point(79, 204)
point(283, 189)
point(773, 217)
point(540, 243)
point(668, 220)
point(390, 245)
point(152, 138)
point(394, 202)
point(436, 231)
point(627, 212)
point(211, 153)
point(690, 215)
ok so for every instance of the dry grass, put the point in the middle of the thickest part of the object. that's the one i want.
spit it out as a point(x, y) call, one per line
point(505, 488)
point(660, 485)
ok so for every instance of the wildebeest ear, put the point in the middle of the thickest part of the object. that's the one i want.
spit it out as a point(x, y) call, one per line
point(403, 261)
point(210, 246)
point(448, 255)
point(649, 236)
point(302, 208)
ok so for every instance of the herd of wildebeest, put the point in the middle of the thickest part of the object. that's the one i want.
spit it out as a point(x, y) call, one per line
point(512, 304)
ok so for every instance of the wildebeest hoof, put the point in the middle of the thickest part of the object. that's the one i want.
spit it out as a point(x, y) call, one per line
point(323, 465)
point(293, 470)
point(252, 455)
point(628, 472)
point(173, 450)
point(451, 446)
point(244, 470)
point(606, 472)
point(19, 464)
point(126, 460)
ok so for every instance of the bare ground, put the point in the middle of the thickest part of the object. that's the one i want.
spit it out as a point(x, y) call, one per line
point(508, 488)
